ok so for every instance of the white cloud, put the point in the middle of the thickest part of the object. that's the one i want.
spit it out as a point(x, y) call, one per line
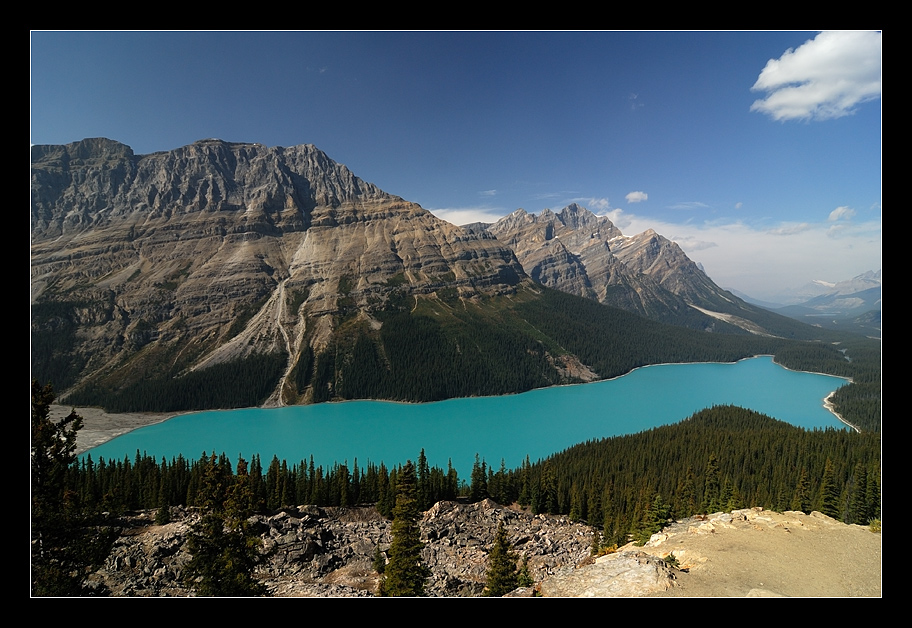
point(621, 220)
point(841, 213)
point(688, 205)
point(738, 205)
point(465, 215)
point(824, 78)
point(789, 228)
point(636, 197)
point(762, 261)
point(488, 192)
point(597, 205)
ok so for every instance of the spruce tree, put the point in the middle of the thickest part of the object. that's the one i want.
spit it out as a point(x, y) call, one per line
point(225, 551)
point(802, 499)
point(502, 576)
point(405, 573)
point(65, 543)
point(479, 477)
point(829, 492)
point(859, 495)
point(712, 488)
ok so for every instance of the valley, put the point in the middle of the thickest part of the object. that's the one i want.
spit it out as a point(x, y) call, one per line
point(235, 275)
point(231, 275)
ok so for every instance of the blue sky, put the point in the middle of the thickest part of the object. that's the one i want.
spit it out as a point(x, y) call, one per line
point(758, 152)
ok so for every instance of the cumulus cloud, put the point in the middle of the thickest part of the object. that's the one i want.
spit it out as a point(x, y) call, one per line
point(636, 197)
point(841, 213)
point(826, 77)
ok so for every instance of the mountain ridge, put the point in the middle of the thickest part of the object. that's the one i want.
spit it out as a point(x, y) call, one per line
point(163, 274)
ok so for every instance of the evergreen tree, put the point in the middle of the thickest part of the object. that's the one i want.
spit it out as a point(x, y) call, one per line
point(524, 577)
point(163, 515)
point(225, 551)
point(802, 499)
point(859, 496)
point(502, 576)
point(479, 481)
point(424, 473)
point(65, 544)
point(654, 519)
point(378, 562)
point(712, 488)
point(405, 573)
point(829, 492)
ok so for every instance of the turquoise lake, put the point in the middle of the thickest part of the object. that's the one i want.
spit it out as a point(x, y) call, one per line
point(535, 423)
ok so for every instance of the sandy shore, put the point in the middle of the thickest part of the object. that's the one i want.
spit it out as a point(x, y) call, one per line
point(100, 427)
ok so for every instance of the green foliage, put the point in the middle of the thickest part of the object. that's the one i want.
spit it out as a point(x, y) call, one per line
point(654, 519)
point(524, 577)
point(829, 492)
point(239, 384)
point(875, 525)
point(502, 575)
point(479, 477)
point(405, 574)
point(66, 543)
point(745, 458)
point(378, 562)
point(224, 549)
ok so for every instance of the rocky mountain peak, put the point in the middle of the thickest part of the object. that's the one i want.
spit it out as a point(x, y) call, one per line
point(581, 253)
point(182, 244)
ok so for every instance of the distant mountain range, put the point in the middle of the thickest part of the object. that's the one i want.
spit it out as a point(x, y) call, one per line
point(852, 305)
point(277, 274)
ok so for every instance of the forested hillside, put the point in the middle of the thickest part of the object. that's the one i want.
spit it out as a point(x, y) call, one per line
point(719, 459)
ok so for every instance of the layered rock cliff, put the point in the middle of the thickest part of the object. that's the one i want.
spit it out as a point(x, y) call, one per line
point(231, 274)
point(577, 252)
point(216, 251)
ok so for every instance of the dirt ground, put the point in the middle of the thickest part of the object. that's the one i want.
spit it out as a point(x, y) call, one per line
point(774, 554)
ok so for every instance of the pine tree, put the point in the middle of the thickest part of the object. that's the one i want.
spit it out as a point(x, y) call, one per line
point(224, 549)
point(405, 573)
point(802, 499)
point(65, 544)
point(502, 576)
point(524, 577)
point(479, 479)
point(829, 492)
point(712, 488)
point(859, 495)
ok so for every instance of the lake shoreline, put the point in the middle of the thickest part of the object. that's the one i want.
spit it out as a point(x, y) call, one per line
point(100, 427)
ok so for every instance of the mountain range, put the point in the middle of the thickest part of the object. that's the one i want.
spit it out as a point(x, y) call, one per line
point(277, 274)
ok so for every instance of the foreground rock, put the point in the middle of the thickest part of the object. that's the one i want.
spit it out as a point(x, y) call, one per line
point(327, 552)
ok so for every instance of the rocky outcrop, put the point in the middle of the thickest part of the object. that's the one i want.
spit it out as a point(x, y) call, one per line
point(310, 551)
point(327, 552)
